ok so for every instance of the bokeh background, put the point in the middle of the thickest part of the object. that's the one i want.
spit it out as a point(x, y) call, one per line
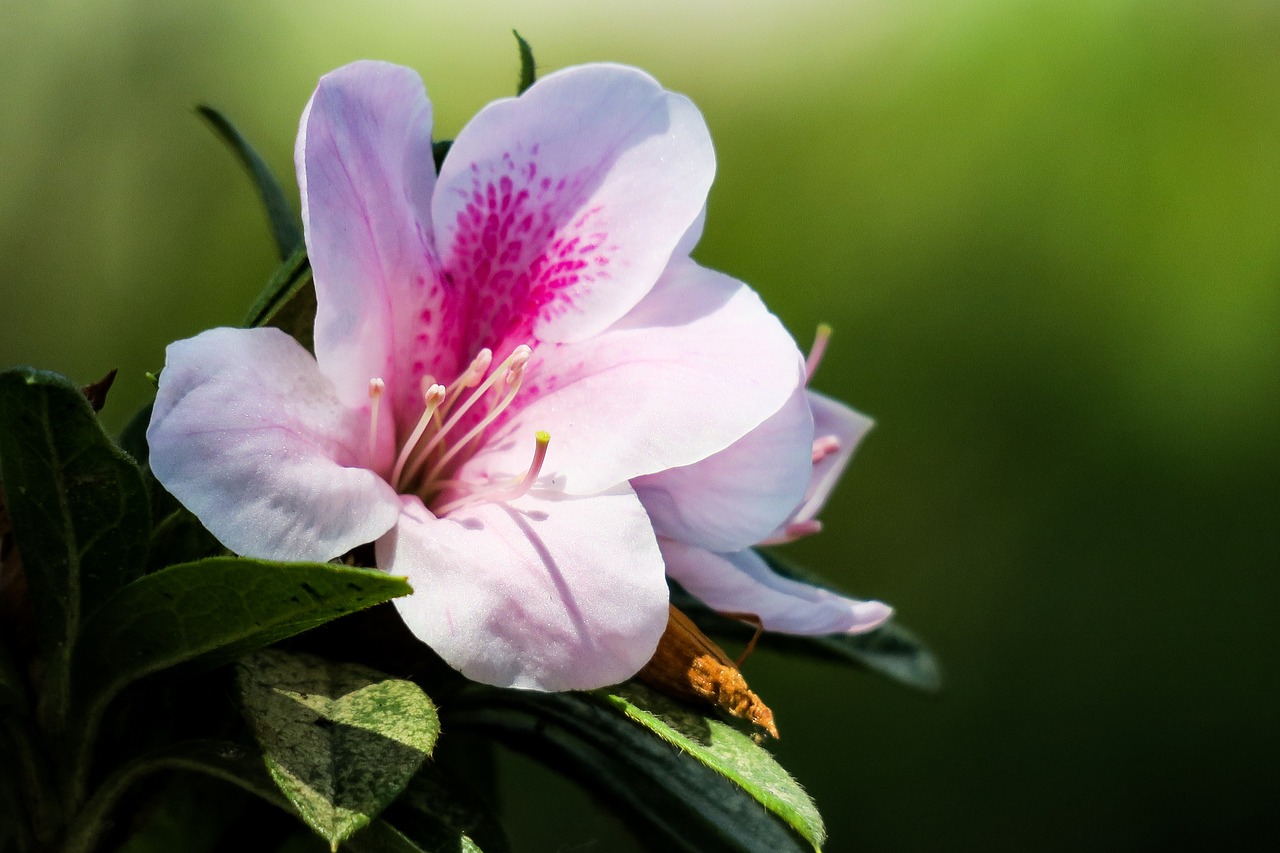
point(1048, 237)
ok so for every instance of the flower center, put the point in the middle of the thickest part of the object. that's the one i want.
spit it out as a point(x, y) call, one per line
point(441, 440)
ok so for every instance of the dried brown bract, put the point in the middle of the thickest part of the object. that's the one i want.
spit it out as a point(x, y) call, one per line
point(689, 666)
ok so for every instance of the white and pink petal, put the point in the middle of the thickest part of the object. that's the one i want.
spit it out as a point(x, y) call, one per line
point(742, 583)
point(739, 496)
point(367, 177)
point(841, 429)
point(689, 371)
point(250, 437)
point(558, 210)
point(545, 593)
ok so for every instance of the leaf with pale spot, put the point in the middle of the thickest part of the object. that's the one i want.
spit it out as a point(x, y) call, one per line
point(342, 741)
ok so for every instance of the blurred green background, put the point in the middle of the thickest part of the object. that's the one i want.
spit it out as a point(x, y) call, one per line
point(1048, 237)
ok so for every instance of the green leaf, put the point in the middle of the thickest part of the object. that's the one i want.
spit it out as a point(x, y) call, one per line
point(79, 510)
point(179, 537)
point(528, 69)
point(12, 692)
point(288, 302)
point(724, 749)
point(890, 650)
point(212, 611)
point(440, 812)
point(286, 228)
point(191, 813)
point(715, 790)
point(440, 150)
point(133, 438)
point(224, 760)
point(14, 828)
point(382, 837)
point(341, 740)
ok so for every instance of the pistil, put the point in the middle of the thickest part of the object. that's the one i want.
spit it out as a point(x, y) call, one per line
point(819, 348)
point(541, 440)
point(376, 389)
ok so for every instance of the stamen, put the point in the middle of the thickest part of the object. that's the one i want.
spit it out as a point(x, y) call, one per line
point(541, 440)
point(376, 389)
point(824, 446)
point(515, 377)
point(431, 399)
point(816, 352)
point(516, 361)
point(469, 377)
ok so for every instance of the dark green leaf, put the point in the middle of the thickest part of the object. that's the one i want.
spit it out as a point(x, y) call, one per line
point(724, 749)
point(674, 784)
point(341, 740)
point(179, 537)
point(439, 151)
point(285, 225)
point(223, 760)
point(288, 302)
point(79, 510)
point(382, 837)
point(890, 650)
point(191, 813)
point(440, 812)
point(212, 611)
point(133, 438)
point(528, 69)
point(14, 828)
point(12, 692)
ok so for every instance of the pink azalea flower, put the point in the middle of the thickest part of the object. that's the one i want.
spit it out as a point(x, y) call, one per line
point(500, 350)
point(756, 492)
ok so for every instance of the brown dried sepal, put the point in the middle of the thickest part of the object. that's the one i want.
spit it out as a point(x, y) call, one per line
point(689, 666)
point(96, 393)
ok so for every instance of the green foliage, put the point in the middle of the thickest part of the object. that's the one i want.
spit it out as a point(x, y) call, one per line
point(440, 150)
point(528, 68)
point(288, 302)
point(724, 749)
point(440, 813)
point(285, 225)
point(715, 790)
point(211, 611)
point(192, 815)
point(79, 510)
point(340, 740)
point(12, 692)
point(127, 586)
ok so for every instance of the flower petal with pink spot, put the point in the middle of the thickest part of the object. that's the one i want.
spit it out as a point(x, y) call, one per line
point(558, 210)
